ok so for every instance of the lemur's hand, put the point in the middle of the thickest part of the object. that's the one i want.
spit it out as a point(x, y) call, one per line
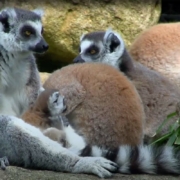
point(4, 162)
point(56, 104)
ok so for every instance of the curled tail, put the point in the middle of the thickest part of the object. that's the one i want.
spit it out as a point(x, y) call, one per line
point(144, 159)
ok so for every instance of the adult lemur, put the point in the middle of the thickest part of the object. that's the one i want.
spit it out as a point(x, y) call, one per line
point(23, 144)
point(104, 108)
point(159, 96)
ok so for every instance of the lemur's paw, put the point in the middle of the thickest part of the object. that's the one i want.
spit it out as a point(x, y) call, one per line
point(4, 162)
point(97, 165)
point(56, 103)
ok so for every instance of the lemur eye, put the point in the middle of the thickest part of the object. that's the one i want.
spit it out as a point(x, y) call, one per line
point(27, 33)
point(92, 51)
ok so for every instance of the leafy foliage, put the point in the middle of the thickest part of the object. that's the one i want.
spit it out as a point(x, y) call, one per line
point(172, 137)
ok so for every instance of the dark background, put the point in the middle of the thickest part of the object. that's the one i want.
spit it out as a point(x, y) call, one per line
point(170, 11)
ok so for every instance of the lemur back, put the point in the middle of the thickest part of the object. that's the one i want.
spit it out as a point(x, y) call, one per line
point(159, 95)
point(159, 49)
point(102, 104)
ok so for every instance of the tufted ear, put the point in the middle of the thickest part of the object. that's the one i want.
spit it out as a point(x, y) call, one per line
point(39, 12)
point(4, 21)
point(82, 37)
point(111, 40)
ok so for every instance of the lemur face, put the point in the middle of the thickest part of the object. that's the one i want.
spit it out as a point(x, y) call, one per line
point(101, 46)
point(22, 30)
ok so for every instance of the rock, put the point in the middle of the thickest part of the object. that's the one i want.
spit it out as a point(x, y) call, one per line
point(17, 173)
point(65, 21)
point(44, 76)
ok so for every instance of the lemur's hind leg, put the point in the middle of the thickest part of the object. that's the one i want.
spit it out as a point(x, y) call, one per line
point(4, 162)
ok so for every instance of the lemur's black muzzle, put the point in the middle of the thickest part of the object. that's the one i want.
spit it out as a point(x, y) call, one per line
point(40, 47)
point(78, 59)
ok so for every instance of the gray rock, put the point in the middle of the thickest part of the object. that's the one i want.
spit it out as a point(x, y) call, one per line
point(65, 21)
point(17, 173)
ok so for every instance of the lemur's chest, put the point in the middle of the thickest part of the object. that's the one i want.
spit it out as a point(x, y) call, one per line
point(14, 74)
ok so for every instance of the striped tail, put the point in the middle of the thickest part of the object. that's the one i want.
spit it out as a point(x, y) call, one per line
point(144, 159)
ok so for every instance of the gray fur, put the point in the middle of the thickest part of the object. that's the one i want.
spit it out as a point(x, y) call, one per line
point(26, 146)
point(23, 144)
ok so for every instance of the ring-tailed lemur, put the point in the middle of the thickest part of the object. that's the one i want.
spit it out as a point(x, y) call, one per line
point(159, 96)
point(90, 98)
point(100, 108)
point(23, 144)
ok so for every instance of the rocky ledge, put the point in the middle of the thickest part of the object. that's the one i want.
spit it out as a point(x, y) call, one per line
point(17, 173)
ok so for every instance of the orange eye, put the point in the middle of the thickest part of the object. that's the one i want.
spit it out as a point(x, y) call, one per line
point(27, 33)
point(93, 51)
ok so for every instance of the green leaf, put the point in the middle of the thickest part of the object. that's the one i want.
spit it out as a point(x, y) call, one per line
point(174, 126)
point(163, 138)
point(165, 121)
point(172, 139)
point(177, 142)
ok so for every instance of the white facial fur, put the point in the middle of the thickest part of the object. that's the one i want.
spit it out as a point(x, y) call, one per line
point(37, 25)
point(85, 45)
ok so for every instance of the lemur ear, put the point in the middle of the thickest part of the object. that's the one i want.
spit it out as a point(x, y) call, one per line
point(39, 12)
point(82, 37)
point(111, 40)
point(4, 21)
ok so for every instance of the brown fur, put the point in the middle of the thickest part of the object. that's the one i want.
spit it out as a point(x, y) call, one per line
point(158, 94)
point(159, 48)
point(102, 104)
point(38, 115)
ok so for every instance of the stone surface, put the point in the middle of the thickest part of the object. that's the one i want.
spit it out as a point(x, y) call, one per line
point(65, 21)
point(44, 76)
point(17, 173)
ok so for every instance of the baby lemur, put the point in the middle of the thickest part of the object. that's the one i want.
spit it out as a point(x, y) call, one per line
point(46, 115)
point(105, 110)
point(21, 143)
point(159, 95)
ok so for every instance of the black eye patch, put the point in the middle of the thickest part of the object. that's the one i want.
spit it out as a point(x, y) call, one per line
point(27, 31)
point(92, 50)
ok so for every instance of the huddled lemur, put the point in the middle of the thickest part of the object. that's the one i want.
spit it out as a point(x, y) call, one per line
point(99, 108)
point(22, 144)
point(104, 108)
point(158, 47)
point(158, 94)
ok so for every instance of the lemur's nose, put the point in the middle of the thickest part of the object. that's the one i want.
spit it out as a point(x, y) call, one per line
point(41, 47)
point(45, 47)
point(78, 59)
